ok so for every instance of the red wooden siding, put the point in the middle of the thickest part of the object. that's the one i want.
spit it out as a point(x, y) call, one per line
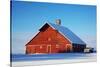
point(48, 40)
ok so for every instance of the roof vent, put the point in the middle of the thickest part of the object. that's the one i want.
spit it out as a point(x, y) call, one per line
point(58, 21)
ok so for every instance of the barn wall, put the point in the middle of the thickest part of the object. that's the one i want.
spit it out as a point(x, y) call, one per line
point(47, 36)
point(48, 41)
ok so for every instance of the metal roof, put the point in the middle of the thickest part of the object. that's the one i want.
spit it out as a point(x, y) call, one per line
point(68, 34)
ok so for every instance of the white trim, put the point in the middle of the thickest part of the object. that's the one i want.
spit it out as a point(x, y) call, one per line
point(65, 37)
point(43, 24)
point(33, 37)
point(51, 26)
point(34, 45)
point(49, 46)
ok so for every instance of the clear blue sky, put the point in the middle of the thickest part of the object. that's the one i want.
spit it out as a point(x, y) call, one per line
point(28, 17)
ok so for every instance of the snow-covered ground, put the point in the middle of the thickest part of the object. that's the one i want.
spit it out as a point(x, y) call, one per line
point(87, 58)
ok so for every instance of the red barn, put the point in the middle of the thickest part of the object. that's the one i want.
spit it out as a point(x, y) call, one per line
point(54, 38)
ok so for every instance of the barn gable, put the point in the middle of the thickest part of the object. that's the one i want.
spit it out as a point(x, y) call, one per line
point(68, 34)
point(50, 32)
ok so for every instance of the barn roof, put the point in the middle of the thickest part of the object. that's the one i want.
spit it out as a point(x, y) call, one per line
point(67, 34)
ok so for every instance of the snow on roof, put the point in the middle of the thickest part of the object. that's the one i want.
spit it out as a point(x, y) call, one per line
point(68, 34)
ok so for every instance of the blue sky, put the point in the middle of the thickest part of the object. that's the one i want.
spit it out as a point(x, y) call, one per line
point(28, 17)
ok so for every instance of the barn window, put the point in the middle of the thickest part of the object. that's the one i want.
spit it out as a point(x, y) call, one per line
point(68, 45)
point(49, 39)
point(40, 47)
point(57, 46)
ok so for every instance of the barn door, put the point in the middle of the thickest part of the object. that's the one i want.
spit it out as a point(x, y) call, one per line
point(48, 48)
